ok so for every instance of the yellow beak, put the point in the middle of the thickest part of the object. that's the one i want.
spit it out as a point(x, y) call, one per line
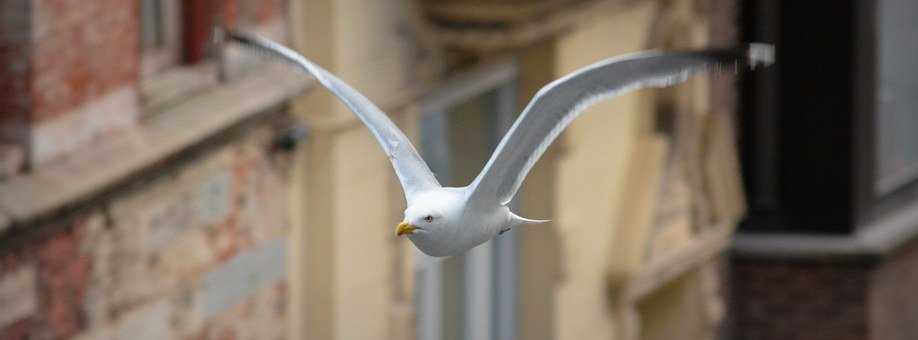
point(404, 228)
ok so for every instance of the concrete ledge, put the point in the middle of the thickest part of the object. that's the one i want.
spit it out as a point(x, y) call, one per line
point(101, 166)
point(870, 242)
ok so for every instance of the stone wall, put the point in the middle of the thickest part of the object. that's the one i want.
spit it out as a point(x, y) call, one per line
point(197, 250)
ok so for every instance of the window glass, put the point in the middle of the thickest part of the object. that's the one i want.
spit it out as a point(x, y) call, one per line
point(152, 30)
point(897, 94)
point(159, 35)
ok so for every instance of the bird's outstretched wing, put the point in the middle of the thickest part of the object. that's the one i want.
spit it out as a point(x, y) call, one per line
point(558, 103)
point(412, 171)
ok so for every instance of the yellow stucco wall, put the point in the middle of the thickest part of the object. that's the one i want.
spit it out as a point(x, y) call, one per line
point(352, 284)
point(362, 230)
point(590, 174)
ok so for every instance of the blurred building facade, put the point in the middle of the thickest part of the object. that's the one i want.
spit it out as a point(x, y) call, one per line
point(149, 189)
point(156, 185)
point(142, 189)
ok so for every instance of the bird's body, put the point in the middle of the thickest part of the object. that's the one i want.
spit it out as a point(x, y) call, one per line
point(446, 221)
point(458, 226)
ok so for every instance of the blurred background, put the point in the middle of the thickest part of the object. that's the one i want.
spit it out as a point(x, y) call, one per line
point(156, 183)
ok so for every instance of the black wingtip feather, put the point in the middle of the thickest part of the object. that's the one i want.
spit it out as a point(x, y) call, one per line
point(753, 54)
point(241, 37)
point(760, 54)
point(260, 45)
point(223, 35)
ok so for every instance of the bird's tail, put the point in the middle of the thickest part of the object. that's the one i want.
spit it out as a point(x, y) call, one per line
point(516, 220)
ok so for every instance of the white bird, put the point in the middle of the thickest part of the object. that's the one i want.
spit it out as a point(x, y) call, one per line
point(446, 221)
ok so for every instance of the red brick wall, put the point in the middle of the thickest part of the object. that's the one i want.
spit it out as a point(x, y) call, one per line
point(61, 273)
point(56, 58)
point(68, 53)
point(781, 300)
point(81, 50)
point(893, 298)
point(775, 299)
point(62, 60)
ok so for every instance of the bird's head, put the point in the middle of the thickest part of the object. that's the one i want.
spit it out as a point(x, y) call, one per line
point(427, 220)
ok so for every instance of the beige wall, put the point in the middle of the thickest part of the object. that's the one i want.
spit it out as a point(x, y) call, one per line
point(353, 276)
point(590, 175)
point(539, 247)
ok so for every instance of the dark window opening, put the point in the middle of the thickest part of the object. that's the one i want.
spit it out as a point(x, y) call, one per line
point(829, 135)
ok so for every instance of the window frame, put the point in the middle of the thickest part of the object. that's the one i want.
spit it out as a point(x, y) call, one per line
point(181, 68)
point(876, 197)
point(901, 177)
point(777, 119)
point(168, 55)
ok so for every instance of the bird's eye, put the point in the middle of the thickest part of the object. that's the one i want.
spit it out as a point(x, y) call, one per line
point(428, 218)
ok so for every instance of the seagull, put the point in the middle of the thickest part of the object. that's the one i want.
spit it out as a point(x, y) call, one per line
point(447, 221)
